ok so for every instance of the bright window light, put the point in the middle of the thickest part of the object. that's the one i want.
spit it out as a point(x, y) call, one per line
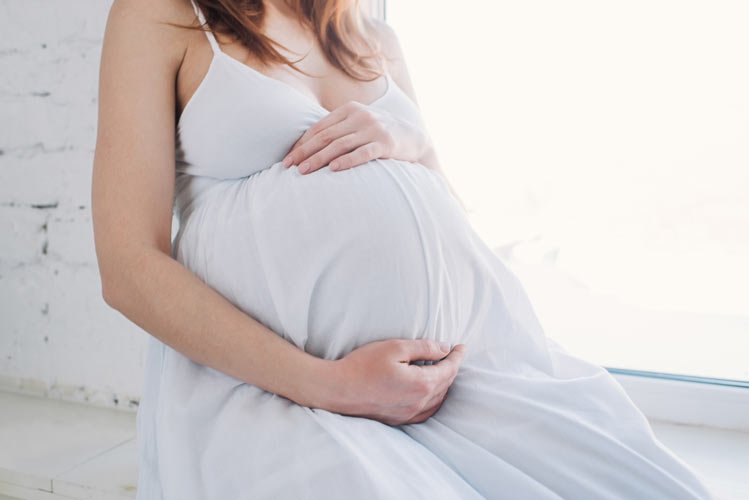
point(602, 149)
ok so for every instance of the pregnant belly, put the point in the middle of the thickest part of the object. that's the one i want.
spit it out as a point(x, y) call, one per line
point(334, 260)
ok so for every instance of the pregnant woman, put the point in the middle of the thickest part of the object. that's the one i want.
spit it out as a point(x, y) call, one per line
point(322, 258)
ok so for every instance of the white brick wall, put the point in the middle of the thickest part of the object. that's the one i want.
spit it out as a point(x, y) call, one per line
point(57, 336)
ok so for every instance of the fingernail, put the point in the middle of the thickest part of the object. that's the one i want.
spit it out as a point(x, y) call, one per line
point(286, 161)
point(445, 346)
point(304, 167)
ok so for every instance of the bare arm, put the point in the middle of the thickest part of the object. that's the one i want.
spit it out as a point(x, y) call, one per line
point(132, 193)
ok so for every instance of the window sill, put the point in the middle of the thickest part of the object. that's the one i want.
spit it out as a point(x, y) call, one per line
point(691, 403)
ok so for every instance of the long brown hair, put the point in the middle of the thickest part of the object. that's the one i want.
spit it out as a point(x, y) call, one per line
point(339, 26)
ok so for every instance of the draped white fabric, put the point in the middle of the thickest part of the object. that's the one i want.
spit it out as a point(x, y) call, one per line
point(333, 260)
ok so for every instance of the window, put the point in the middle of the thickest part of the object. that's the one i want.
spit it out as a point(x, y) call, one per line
point(603, 151)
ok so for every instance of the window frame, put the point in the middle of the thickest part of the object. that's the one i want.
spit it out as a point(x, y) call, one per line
point(687, 401)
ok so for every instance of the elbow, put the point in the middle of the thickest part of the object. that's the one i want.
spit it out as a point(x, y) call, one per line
point(110, 280)
point(119, 273)
point(107, 290)
point(106, 294)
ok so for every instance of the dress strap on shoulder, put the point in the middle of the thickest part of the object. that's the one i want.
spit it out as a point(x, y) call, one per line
point(208, 33)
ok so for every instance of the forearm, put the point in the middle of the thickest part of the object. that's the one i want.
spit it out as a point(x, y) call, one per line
point(171, 303)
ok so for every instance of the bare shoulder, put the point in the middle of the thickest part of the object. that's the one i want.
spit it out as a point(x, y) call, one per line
point(154, 22)
point(154, 10)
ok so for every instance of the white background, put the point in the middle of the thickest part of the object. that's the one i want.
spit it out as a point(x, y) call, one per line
point(603, 149)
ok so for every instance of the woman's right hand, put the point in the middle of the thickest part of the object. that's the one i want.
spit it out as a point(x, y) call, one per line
point(379, 381)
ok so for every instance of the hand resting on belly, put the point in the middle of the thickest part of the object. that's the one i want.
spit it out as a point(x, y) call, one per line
point(380, 380)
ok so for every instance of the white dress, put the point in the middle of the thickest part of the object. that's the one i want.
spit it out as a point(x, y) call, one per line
point(333, 260)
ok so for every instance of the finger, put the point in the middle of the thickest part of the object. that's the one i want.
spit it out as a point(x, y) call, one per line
point(320, 140)
point(426, 414)
point(424, 349)
point(328, 120)
point(448, 367)
point(437, 399)
point(333, 150)
point(439, 380)
point(331, 118)
point(360, 155)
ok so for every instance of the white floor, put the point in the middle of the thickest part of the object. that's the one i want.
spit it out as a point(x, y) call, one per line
point(60, 450)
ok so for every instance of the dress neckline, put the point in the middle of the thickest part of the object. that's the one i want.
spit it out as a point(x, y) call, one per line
point(218, 55)
point(282, 84)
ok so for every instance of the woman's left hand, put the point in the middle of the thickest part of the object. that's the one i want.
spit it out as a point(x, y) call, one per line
point(353, 134)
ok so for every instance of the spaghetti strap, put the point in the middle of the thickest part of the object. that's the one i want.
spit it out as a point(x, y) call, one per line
point(208, 33)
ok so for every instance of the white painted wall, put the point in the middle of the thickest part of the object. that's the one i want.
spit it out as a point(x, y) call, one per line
point(57, 336)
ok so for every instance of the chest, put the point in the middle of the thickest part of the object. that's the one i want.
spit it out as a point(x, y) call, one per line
point(323, 83)
point(239, 121)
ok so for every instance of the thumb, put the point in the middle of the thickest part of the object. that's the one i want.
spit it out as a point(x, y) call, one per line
point(427, 349)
